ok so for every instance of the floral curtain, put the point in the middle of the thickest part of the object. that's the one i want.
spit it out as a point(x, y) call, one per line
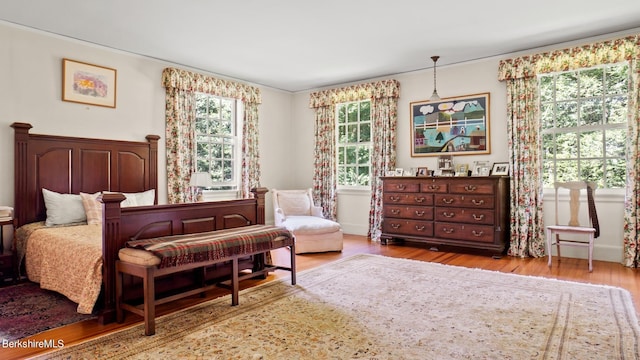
point(180, 128)
point(384, 96)
point(521, 77)
point(181, 84)
point(384, 112)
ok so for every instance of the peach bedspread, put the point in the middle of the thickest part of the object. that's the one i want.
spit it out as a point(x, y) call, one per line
point(65, 259)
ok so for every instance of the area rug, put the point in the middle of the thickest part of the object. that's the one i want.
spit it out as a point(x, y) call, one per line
point(26, 310)
point(375, 307)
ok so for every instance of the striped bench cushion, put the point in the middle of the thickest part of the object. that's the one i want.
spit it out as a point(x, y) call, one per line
point(177, 250)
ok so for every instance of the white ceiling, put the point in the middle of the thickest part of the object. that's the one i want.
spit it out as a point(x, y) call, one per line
point(297, 45)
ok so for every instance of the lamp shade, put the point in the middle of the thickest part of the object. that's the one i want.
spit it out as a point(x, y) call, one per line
point(201, 179)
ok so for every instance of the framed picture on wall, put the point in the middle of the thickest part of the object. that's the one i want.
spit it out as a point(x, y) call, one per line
point(86, 83)
point(455, 125)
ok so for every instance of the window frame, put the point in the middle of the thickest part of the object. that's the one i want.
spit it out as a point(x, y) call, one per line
point(224, 190)
point(580, 127)
point(339, 144)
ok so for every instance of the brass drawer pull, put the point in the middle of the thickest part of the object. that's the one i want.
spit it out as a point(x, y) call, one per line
point(434, 187)
point(447, 201)
point(478, 218)
point(448, 215)
point(395, 211)
point(420, 228)
point(395, 226)
point(419, 213)
point(419, 199)
point(471, 188)
point(477, 234)
point(400, 186)
point(476, 202)
point(394, 198)
point(448, 231)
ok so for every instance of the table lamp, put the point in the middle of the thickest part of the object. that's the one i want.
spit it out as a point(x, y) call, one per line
point(199, 181)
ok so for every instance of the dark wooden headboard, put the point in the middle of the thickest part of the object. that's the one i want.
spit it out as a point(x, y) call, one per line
point(71, 165)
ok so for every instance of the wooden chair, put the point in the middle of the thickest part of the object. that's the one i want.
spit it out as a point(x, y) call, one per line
point(573, 228)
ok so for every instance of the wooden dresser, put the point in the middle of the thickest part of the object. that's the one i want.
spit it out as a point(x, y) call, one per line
point(471, 212)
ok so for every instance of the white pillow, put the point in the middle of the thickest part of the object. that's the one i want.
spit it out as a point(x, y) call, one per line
point(295, 203)
point(63, 208)
point(144, 198)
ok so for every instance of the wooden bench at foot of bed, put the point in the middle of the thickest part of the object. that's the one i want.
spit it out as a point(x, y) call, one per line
point(152, 258)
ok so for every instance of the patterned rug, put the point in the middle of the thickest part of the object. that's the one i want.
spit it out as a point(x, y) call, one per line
point(374, 307)
point(26, 310)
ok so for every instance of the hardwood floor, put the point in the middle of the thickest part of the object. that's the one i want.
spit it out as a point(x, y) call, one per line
point(605, 273)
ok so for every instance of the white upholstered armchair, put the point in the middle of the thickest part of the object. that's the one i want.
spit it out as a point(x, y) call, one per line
point(294, 210)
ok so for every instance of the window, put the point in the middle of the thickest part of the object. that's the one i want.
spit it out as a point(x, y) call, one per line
point(584, 124)
point(354, 143)
point(217, 138)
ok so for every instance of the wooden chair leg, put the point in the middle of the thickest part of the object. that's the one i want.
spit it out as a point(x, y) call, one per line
point(293, 264)
point(558, 247)
point(549, 235)
point(591, 237)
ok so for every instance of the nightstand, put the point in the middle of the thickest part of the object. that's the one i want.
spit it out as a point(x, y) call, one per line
point(7, 267)
point(7, 257)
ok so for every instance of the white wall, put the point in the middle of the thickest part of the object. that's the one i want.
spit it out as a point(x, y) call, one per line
point(30, 91)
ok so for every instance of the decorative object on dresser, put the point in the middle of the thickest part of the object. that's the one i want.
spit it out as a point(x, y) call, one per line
point(445, 165)
point(500, 169)
point(481, 168)
point(470, 212)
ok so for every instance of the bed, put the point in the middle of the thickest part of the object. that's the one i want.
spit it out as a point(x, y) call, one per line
point(110, 170)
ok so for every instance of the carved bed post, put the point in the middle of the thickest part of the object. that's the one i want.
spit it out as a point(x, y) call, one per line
point(110, 248)
point(153, 163)
point(20, 191)
point(259, 194)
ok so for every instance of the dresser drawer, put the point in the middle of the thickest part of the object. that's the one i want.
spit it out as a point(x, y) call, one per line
point(401, 186)
point(470, 216)
point(408, 212)
point(407, 227)
point(473, 233)
point(485, 187)
point(407, 199)
point(470, 201)
point(437, 186)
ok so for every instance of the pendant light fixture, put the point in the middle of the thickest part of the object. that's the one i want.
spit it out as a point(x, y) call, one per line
point(434, 96)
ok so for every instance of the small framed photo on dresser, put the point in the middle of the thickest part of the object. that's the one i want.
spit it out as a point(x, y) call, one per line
point(462, 170)
point(480, 168)
point(500, 169)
